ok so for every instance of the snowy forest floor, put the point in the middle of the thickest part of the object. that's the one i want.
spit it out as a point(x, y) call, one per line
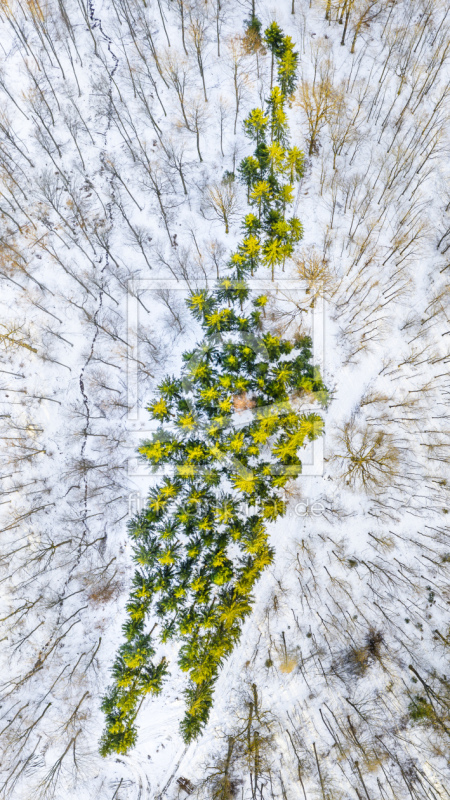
point(117, 119)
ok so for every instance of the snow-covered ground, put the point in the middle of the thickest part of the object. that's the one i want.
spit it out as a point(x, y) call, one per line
point(108, 146)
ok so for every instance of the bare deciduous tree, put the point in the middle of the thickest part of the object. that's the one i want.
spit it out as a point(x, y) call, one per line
point(223, 201)
point(197, 29)
point(238, 60)
point(318, 101)
point(370, 458)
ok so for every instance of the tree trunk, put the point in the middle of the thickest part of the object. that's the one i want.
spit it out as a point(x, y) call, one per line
point(347, 16)
point(198, 144)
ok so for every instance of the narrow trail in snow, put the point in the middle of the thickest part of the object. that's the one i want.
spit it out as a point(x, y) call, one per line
point(105, 260)
point(171, 777)
point(97, 23)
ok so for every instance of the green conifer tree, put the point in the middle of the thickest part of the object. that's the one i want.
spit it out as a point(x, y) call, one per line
point(201, 542)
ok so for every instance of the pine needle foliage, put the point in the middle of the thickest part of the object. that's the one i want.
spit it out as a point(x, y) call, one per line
point(230, 436)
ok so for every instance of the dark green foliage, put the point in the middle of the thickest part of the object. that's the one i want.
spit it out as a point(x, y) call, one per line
point(282, 49)
point(254, 25)
point(420, 710)
point(248, 171)
point(273, 37)
point(432, 707)
point(230, 436)
point(228, 177)
point(252, 37)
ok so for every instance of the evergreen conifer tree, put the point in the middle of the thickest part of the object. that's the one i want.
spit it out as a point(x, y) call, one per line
point(198, 553)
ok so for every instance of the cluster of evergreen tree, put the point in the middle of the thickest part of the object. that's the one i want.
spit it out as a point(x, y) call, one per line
point(270, 172)
point(201, 542)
